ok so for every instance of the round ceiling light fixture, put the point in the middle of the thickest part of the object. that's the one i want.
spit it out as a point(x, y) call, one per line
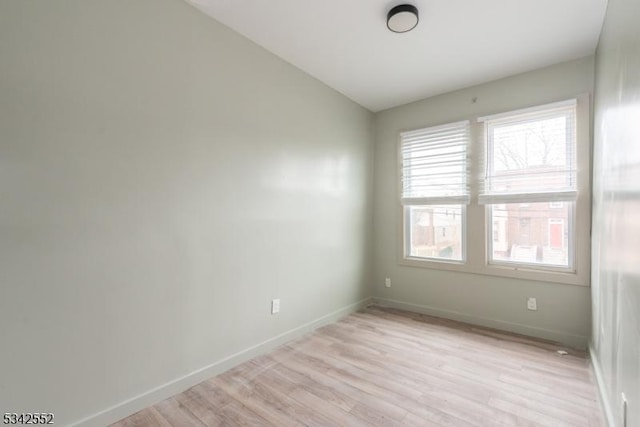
point(402, 18)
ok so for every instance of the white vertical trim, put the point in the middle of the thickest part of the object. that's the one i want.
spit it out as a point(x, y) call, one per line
point(602, 390)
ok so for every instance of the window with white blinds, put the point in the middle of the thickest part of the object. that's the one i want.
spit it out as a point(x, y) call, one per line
point(435, 165)
point(505, 194)
point(530, 155)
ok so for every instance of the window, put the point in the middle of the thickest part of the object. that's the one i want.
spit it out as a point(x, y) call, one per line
point(515, 215)
point(435, 191)
point(530, 164)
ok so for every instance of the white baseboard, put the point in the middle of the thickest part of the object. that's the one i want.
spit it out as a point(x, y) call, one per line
point(602, 390)
point(151, 397)
point(575, 341)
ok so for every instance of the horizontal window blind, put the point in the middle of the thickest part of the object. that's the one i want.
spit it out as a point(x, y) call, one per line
point(434, 165)
point(530, 156)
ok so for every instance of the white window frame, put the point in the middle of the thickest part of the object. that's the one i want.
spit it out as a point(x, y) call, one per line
point(522, 197)
point(476, 224)
point(424, 200)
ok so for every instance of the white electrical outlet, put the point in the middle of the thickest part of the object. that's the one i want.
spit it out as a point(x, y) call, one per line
point(624, 409)
point(532, 304)
point(387, 282)
point(275, 306)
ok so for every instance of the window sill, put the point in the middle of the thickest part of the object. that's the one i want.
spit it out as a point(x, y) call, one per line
point(520, 272)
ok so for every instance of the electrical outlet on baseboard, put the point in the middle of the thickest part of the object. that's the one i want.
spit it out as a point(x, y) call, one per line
point(532, 304)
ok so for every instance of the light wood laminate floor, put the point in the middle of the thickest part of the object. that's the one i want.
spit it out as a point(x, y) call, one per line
point(390, 367)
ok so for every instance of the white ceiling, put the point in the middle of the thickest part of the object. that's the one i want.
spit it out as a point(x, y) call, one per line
point(457, 43)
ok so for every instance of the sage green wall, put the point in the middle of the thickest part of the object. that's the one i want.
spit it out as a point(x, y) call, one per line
point(563, 310)
point(616, 212)
point(161, 180)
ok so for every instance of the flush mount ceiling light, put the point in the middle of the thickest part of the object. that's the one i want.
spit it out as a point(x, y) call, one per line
point(402, 18)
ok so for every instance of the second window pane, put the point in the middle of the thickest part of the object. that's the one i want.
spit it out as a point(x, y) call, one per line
point(531, 233)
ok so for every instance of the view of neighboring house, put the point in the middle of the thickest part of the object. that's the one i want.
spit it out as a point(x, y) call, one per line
point(531, 232)
point(436, 232)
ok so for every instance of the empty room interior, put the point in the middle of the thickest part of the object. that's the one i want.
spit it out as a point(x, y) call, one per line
point(355, 213)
